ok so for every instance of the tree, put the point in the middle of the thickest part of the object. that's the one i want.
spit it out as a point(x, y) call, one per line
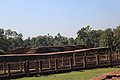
point(33, 42)
point(86, 36)
point(83, 36)
point(8, 33)
point(71, 41)
point(18, 39)
point(49, 40)
point(3, 40)
point(60, 40)
point(14, 39)
point(116, 41)
point(46, 40)
point(106, 39)
point(95, 38)
point(27, 42)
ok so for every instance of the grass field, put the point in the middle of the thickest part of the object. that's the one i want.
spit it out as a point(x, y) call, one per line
point(74, 75)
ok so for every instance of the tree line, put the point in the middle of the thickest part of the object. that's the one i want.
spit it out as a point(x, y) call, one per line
point(85, 36)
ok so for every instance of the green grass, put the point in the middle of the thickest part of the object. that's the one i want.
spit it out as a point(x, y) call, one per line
point(74, 75)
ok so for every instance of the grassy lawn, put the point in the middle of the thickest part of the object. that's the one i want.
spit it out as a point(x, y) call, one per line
point(75, 75)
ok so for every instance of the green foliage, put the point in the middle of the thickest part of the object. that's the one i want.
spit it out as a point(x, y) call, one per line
point(95, 38)
point(106, 39)
point(99, 38)
point(60, 40)
point(85, 36)
point(116, 39)
point(27, 42)
point(10, 39)
point(46, 40)
point(89, 37)
point(71, 41)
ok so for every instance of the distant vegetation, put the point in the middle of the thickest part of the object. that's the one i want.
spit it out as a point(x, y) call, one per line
point(86, 36)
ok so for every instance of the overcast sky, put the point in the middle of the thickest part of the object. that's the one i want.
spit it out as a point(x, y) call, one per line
point(39, 17)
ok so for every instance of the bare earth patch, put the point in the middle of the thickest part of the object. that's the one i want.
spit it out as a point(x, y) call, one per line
point(109, 76)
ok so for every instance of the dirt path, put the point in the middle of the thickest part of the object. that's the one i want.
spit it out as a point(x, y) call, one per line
point(114, 76)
